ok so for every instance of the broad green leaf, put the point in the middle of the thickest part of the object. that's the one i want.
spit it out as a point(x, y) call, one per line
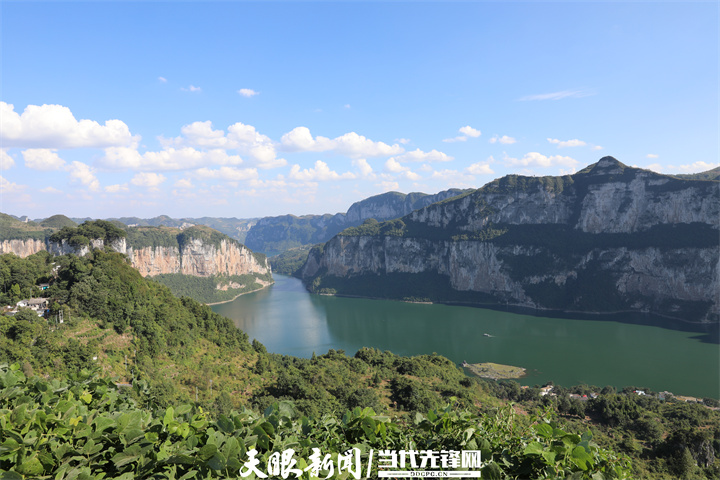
point(544, 430)
point(169, 416)
point(534, 448)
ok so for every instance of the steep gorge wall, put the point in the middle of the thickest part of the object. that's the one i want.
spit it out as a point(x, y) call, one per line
point(194, 258)
point(610, 238)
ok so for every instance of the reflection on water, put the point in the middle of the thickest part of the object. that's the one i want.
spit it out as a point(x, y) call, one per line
point(288, 320)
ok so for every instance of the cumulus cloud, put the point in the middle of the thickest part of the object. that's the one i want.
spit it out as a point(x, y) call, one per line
point(168, 159)
point(479, 168)
point(652, 155)
point(6, 161)
point(247, 92)
point(505, 140)
point(54, 126)
point(467, 131)
point(393, 166)
point(117, 188)
point(147, 179)
point(191, 88)
point(389, 186)
point(320, 172)
point(535, 159)
point(403, 141)
point(229, 174)
point(83, 174)
point(567, 143)
point(183, 183)
point(6, 186)
point(363, 167)
point(470, 131)
point(695, 167)
point(351, 144)
point(597, 147)
point(558, 95)
point(418, 155)
point(42, 159)
point(52, 190)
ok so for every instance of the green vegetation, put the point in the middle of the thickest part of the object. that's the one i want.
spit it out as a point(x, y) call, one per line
point(88, 231)
point(12, 229)
point(213, 289)
point(206, 235)
point(144, 237)
point(178, 353)
point(290, 262)
point(57, 222)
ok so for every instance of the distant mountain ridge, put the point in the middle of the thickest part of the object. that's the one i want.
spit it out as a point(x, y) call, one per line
point(608, 238)
point(273, 235)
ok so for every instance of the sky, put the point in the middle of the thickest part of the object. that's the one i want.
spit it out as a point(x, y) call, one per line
point(248, 109)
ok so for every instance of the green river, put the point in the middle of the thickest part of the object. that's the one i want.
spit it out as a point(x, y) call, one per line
point(289, 320)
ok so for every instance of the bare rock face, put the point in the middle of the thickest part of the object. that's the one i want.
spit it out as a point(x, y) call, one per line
point(609, 238)
point(22, 248)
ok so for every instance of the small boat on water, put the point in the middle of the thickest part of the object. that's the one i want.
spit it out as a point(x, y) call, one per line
point(487, 335)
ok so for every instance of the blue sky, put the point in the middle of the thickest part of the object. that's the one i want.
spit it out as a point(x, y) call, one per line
point(242, 109)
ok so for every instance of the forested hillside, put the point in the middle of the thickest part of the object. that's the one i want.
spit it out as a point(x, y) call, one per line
point(178, 353)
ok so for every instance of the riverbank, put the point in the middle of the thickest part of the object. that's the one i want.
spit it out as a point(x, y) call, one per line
point(261, 282)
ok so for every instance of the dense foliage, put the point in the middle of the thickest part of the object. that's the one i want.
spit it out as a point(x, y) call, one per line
point(86, 428)
point(290, 262)
point(178, 353)
point(83, 234)
point(13, 229)
point(213, 289)
point(143, 237)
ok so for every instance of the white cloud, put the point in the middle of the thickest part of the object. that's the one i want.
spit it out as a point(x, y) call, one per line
point(699, 166)
point(364, 167)
point(389, 186)
point(652, 155)
point(162, 79)
point(392, 165)
point(558, 95)
point(567, 143)
point(460, 138)
point(201, 134)
point(248, 92)
point(246, 139)
point(191, 88)
point(117, 188)
point(320, 172)
point(467, 131)
point(54, 126)
point(147, 179)
point(347, 105)
point(479, 169)
point(183, 183)
point(453, 177)
point(42, 159)
point(228, 174)
point(168, 159)
point(351, 144)
point(83, 174)
point(6, 186)
point(51, 190)
point(505, 140)
point(597, 147)
point(403, 141)
point(418, 155)
point(470, 132)
point(6, 161)
point(535, 159)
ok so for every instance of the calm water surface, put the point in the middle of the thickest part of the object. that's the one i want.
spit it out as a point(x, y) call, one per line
point(289, 320)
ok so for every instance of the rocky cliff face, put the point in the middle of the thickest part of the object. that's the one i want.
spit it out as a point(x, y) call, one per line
point(609, 238)
point(22, 248)
point(274, 235)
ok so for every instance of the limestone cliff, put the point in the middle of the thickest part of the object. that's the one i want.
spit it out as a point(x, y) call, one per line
point(609, 238)
point(22, 248)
